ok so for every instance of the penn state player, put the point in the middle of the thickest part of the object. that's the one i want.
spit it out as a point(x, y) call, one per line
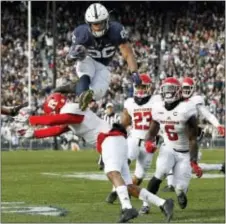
point(111, 142)
point(94, 45)
point(137, 114)
point(188, 93)
point(178, 123)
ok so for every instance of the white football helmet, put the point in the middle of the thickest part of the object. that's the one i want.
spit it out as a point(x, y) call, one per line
point(97, 14)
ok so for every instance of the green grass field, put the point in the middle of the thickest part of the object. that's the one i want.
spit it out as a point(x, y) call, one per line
point(84, 199)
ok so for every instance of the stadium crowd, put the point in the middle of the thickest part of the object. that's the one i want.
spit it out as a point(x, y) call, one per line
point(186, 40)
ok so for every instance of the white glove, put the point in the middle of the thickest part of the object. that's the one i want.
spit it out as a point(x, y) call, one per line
point(23, 115)
point(26, 133)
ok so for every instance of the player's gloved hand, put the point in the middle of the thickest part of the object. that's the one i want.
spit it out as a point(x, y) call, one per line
point(150, 146)
point(136, 78)
point(196, 169)
point(76, 52)
point(15, 110)
point(221, 130)
point(26, 133)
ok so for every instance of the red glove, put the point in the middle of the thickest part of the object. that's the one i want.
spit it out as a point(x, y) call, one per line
point(196, 169)
point(221, 130)
point(150, 146)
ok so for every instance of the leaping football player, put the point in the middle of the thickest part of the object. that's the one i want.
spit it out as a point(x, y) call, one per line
point(94, 45)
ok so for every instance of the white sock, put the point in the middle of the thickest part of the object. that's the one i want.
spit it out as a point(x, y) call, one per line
point(209, 167)
point(113, 189)
point(146, 204)
point(123, 196)
point(150, 198)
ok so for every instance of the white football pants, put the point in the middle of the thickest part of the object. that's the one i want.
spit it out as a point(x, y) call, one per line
point(99, 74)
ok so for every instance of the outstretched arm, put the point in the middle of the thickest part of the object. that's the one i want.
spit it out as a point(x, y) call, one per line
point(56, 119)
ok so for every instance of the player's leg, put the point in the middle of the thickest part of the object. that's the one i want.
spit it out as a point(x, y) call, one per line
point(182, 175)
point(143, 163)
point(212, 167)
point(133, 152)
point(114, 153)
point(166, 206)
point(164, 164)
point(101, 81)
point(170, 182)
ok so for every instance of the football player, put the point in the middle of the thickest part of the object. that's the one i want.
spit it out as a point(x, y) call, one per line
point(178, 122)
point(188, 89)
point(110, 141)
point(94, 45)
point(137, 113)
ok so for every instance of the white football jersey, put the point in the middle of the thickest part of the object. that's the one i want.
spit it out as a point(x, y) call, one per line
point(198, 101)
point(90, 127)
point(172, 123)
point(141, 115)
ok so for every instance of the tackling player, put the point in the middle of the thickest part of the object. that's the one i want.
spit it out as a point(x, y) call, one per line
point(137, 113)
point(188, 89)
point(178, 123)
point(111, 143)
point(94, 45)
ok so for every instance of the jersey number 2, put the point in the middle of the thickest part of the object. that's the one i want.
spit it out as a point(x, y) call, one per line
point(142, 120)
point(172, 136)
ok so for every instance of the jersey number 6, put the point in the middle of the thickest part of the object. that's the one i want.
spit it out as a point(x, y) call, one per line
point(172, 136)
point(142, 120)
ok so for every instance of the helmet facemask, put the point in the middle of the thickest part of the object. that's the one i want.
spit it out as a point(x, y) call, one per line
point(170, 93)
point(142, 91)
point(187, 90)
point(103, 27)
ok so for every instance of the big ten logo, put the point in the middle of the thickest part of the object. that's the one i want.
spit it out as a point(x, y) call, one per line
point(106, 52)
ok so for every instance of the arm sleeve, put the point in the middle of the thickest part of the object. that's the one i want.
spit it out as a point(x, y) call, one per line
point(208, 116)
point(50, 132)
point(56, 119)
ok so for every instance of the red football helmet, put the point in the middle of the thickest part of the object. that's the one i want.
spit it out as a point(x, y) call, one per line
point(145, 89)
point(54, 103)
point(170, 90)
point(188, 87)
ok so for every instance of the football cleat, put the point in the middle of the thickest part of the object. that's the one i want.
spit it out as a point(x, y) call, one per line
point(182, 200)
point(85, 98)
point(144, 210)
point(169, 188)
point(111, 198)
point(128, 214)
point(167, 209)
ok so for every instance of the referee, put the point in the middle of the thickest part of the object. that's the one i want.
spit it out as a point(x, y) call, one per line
point(110, 117)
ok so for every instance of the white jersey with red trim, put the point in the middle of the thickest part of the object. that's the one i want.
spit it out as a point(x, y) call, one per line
point(197, 100)
point(172, 123)
point(141, 115)
point(90, 127)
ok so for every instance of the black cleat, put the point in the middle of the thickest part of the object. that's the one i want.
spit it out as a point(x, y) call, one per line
point(111, 198)
point(144, 210)
point(223, 168)
point(128, 214)
point(182, 200)
point(169, 188)
point(167, 209)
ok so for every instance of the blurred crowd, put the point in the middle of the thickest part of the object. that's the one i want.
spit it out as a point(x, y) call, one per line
point(173, 40)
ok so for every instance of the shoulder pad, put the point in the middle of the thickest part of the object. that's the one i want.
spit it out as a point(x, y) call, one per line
point(197, 100)
point(128, 102)
point(118, 33)
point(81, 35)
